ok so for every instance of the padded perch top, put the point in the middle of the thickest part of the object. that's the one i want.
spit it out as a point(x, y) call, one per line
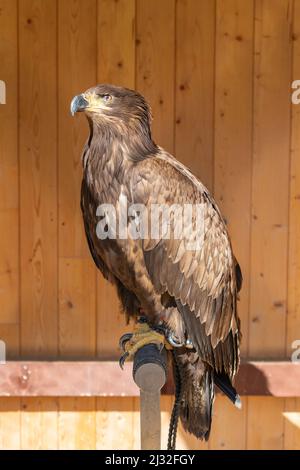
point(150, 368)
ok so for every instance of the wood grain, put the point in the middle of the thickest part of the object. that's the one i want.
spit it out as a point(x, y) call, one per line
point(9, 214)
point(111, 323)
point(9, 168)
point(292, 424)
point(292, 405)
point(270, 202)
point(155, 62)
point(233, 133)
point(265, 423)
point(116, 42)
point(77, 67)
point(115, 418)
point(293, 318)
point(39, 423)
point(77, 54)
point(76, 424)
point(234, 437)
point(10, 429)
point(270, 193)
point(38, 177)
point(195, 66)
point(77, 306)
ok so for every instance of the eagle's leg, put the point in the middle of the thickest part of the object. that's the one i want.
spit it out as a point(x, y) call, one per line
point(143, 334)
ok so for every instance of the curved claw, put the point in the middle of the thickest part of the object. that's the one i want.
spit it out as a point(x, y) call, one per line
point(123, 340)
point(123, 359)
point(173, 342)
point(176, 344)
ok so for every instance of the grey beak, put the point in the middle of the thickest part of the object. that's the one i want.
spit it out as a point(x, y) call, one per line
point(78, 103)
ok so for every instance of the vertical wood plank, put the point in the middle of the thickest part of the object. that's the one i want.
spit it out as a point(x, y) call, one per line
point(293, 319)
point(9, 214)
point(292, 405)
point(10, 436)
point(228, 437)
point(9, 248)
point(77, 71)
point(155, 62)
point(77, 26)
point(270, 196)
point(265, 423)
point(268, 300)
point(77, 425)
point(233, 132)
point(115, 423)
point(77, 274)
point(77, 305)
point(292, 424)
point(115, 64)
point(195, 63)
point(116, 42)
point(111, 323)
point(38, 177)
point(232, 175)
point(38, 203)
point(39, 423)
point(9, 256)
point(9, 170)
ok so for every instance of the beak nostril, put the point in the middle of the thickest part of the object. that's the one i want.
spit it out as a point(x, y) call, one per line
point(78, 103)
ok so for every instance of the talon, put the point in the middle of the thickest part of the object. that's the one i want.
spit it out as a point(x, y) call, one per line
point(123, 359)
point(143, 334)
point(123, 340)
point(174, 342)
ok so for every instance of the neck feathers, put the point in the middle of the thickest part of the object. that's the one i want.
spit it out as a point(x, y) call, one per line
point(131, 141)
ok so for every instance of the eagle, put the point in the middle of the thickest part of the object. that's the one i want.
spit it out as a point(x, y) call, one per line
point(188, 290)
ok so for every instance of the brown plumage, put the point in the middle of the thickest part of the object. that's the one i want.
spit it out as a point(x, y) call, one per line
point(193, 292)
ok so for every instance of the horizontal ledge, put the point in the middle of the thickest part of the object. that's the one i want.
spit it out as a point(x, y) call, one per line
point(105, 378)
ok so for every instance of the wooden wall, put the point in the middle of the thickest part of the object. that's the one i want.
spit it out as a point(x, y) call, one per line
point(218, 76)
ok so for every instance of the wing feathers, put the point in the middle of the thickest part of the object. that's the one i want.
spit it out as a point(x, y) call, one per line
point(203, 279)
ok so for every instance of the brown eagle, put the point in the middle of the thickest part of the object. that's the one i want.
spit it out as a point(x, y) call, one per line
point(191, 289)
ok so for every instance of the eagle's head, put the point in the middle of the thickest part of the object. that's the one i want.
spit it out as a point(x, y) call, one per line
point(112, 105)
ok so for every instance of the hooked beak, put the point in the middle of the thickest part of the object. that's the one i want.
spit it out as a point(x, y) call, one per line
point(78, 103)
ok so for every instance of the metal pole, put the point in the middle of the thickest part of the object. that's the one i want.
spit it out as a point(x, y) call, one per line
point(150, 373)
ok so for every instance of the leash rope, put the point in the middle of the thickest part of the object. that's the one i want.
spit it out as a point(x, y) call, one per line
point(162, 339)
point(176, 407)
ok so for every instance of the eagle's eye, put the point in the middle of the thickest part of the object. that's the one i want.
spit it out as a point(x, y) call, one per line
point(106, 98)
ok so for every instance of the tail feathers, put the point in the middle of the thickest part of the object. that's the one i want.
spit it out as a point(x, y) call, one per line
point(198, 396)
point(224, 384)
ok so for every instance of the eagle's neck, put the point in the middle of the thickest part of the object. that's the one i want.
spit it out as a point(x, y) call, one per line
point(112, 151)
point(131, 142)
